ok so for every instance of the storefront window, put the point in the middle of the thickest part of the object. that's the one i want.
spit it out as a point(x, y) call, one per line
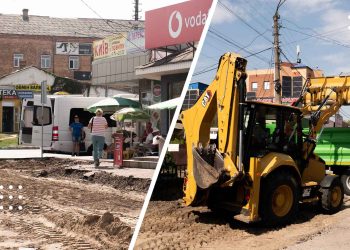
point(176, 89)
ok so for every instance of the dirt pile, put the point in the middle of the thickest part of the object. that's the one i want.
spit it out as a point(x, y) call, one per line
point(168, 224)
point(64, 210)
point(107, 229)
point(61, 168)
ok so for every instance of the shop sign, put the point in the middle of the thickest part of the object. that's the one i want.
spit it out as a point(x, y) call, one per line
point(176, 24)
point(8, 94)
point(287, 100)
point(136, 41)
point(34, 87)
point(25, 94)
point(110, 46)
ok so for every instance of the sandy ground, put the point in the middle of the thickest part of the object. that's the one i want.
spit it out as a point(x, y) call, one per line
point(169, 225)
point(58, 209)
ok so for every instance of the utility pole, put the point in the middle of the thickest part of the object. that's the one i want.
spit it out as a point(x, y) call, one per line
point(277, 77)
point(136, 16)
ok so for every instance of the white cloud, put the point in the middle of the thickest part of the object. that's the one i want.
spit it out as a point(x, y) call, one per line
point(339, 62)
point(310, 5)
point(334, 19)
point(221, 15)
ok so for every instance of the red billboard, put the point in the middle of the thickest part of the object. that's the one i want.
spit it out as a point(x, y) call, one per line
point(176, 24)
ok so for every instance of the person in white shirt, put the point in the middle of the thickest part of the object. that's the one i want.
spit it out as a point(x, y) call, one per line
point(98, 126)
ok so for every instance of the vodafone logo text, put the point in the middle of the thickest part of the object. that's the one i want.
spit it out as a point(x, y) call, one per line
point(190, 22)
point(176, 24)
point(175, 34)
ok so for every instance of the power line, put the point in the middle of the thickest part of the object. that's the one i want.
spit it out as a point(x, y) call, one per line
point(242, 20)
point(107, 21)
point(231, 42)
point(292, 63)
point(250, 43)
point(320, 37)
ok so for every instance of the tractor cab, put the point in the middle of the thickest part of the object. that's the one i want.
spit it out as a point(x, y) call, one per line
point(272, 128)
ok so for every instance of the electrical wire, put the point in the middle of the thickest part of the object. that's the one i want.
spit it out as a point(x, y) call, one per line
point(229, 10)
point(231, 42)
point(320, 37)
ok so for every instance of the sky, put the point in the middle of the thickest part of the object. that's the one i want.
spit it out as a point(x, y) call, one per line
point(109, 9)
point(319, 27)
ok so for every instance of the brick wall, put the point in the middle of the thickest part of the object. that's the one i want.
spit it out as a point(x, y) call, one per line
point(32, 47)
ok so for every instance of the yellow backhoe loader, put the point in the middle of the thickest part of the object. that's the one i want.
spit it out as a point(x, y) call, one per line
point(262, 165)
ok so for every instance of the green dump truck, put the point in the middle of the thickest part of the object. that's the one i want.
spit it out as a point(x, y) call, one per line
point(333, 146)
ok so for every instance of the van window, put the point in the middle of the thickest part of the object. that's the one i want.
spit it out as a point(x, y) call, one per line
point(85, 116)
point(47, 119)
point(28, 117)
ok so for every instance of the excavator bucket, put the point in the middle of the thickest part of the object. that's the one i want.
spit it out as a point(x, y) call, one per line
point(204, 173)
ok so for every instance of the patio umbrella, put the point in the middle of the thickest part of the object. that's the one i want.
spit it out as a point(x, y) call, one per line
point(134, 114)
point(111, 104)
point(169, 104)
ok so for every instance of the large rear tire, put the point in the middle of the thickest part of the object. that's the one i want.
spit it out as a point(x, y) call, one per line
point(345, 180)
point(279, 199)
point(332, 197)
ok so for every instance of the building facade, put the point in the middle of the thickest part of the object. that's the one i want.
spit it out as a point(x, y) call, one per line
point(260, 82)
point(34, 48)
point(62, 46)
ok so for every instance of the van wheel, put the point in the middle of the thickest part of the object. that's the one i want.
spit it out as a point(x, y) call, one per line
point(279, 199)
point(332, 197)
point(345, 180)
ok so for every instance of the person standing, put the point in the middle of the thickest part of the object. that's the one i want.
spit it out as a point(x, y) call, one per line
point(98, 125)
point(76, 128)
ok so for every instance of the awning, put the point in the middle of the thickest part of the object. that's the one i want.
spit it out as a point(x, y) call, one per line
point(169, 104)
point(134, 114)
point(112, 104)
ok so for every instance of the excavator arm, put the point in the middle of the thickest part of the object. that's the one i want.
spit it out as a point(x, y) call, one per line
point(224, 97)
point(323, 99)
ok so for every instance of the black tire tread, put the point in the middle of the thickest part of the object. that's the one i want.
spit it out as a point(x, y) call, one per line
point(325, 197)
point(268, 185)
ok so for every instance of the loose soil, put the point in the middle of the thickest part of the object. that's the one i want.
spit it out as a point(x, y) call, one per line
point(170, 225)
point(63, 209)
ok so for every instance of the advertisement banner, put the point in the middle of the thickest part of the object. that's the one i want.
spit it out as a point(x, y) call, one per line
point(118, 150)
point(136, 41)
point(8, 94)
point(67, 48)
point(176, 24)
point(33, 87)
point(110, 46)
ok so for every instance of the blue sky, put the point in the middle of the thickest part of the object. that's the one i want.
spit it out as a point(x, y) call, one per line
point(319, 27)
point(77, 8)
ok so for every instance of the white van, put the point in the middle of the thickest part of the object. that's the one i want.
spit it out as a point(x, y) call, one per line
point(58, 113)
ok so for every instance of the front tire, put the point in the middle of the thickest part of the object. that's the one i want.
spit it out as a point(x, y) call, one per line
point(332, 197)
point(279, 199)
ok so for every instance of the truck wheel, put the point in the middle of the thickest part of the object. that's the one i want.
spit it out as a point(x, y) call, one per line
point(332, 197)
point(345, 180)
point(279, 199)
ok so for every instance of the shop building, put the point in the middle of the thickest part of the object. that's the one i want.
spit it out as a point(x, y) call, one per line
point(171, 34)
point(25, 83)
point(56, 50)
point(260, 82)
point(62, 46)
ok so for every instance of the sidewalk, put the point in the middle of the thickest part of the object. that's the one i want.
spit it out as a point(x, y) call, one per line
point(106, 164)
